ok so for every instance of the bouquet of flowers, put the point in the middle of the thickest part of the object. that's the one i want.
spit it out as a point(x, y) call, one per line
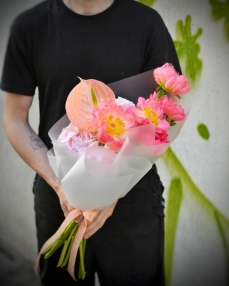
point(103, 146)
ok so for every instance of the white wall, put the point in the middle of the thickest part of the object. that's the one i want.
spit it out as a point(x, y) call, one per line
point(200, 258)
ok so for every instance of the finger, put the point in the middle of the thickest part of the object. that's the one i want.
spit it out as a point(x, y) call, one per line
point(94, 226)
point(97, 214)
point(65, 212)
point(64, 209)
point(98, 222)
point(70, 208)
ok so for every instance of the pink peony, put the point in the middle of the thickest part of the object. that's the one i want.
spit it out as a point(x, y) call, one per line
point(113, 123)
point(76, 139)
point(161, 138)
point(151, 110)
point(167, 77)
point(173, 110)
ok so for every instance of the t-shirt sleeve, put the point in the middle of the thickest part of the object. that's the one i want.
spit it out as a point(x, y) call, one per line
point(160, 48)
point(18, 74)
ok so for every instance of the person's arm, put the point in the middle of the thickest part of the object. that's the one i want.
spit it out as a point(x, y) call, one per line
point(34, 152)
point(27, 143)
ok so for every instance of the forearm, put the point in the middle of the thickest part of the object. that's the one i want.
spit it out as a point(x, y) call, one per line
point(31, 149)
point(27, 143)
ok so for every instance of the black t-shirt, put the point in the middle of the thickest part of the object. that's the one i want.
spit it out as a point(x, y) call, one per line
point(50, 46)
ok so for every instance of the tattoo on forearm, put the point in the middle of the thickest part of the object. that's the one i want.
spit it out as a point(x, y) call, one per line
point(36, 143)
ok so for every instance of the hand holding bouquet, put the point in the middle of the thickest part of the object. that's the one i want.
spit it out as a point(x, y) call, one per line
point(106, 148)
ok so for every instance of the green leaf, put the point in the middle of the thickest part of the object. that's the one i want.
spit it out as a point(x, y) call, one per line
point(203, 131)
point(147, 2)
point(160, 93)
point(172, 123)
point(174, 200)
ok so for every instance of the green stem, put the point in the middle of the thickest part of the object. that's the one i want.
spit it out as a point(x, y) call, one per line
point(60, 240)
point(66, 247)
point(82, 272)
point(53, 249)
point(84, 245)
point(49, 247)
point(69, 249)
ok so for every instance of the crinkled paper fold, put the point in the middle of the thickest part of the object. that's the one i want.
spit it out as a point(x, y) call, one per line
point(99, 177)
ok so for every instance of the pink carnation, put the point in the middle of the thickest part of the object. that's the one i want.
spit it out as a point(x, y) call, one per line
point(167, 77)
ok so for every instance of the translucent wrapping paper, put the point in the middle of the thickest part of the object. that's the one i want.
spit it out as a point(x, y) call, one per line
point(100, 176)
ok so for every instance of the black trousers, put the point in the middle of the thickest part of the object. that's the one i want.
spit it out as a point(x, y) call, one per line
point(127, 250)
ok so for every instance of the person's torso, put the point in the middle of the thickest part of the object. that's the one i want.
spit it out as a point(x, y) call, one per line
point(109, 46)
